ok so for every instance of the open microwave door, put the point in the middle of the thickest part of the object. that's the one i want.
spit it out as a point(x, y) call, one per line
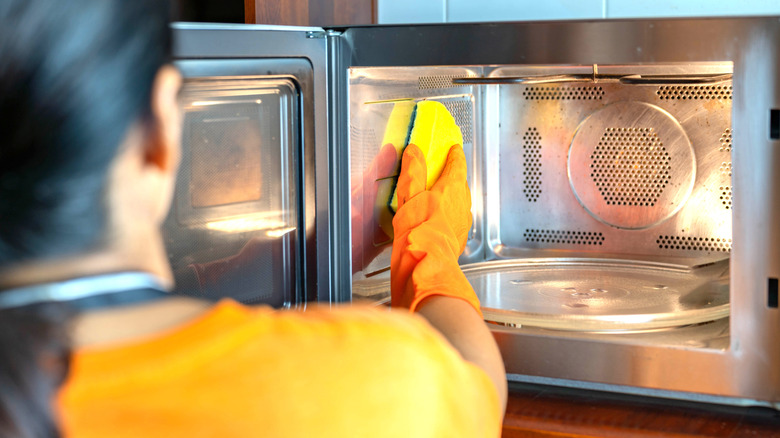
point(245, 222)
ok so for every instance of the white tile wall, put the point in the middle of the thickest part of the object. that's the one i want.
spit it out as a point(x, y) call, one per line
point(410, 11)
point(690, 8)
point(522, 10)
point(438, 11)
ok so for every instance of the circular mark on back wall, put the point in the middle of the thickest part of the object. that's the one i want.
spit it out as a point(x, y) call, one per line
point(631, 165)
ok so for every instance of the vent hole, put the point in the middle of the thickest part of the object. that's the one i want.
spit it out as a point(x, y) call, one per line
point(725, 141)
point(563, 237)
point(443, 81)
point(774, 124)
point(692, 243)
point(725, 196)
point(532, 164)
point(362, 139)
point(462, 111)
point(563, 93)
point(694, 92)
point(631, 166)
point(772, 300)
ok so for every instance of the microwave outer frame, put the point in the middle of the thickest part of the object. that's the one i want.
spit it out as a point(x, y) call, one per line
point(748, 372)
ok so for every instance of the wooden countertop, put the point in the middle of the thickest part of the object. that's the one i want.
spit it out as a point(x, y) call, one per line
point(536, 411)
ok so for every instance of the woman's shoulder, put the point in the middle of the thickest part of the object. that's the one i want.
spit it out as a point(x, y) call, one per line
point(351, 370)
point(342, 325)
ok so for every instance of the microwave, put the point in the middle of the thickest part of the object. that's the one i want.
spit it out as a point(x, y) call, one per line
point(624, 179)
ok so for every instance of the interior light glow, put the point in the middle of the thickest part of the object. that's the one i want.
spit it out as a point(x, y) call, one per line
point(629, 319)
point(219, 102)
point(279, 232)
point(243, 224)
point(207, 102)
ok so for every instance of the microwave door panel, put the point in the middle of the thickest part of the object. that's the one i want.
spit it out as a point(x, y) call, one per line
point(245, 222)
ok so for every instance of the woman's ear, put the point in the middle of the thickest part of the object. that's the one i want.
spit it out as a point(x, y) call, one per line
point(163, 150)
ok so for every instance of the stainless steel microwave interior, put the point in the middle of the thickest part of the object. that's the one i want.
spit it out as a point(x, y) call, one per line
point(608, 202)
point(623, 175)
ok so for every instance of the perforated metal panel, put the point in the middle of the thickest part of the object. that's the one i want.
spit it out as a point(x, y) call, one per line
point(462, 111)
point(725, 141)
point(694, 243)
point(725, 196)
point(630, 166)
point(725, 168)
point(622, 162)
point(438, 81)
point(532, 164)
point(695, 92)
point(563, 93)
point(564, 237)
point(365, 139)
point(636, 174)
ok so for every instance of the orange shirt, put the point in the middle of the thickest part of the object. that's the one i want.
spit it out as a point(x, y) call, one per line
point(242, 372)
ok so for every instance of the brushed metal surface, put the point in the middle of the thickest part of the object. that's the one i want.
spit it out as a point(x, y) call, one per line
point(569, 177)
point(631, 165)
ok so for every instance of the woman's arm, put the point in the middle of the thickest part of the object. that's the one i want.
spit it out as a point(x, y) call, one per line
point(467, 332)
point(431, 228)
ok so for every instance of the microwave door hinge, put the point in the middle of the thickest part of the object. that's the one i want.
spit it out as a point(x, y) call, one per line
point(319, 34)
point(316, 34)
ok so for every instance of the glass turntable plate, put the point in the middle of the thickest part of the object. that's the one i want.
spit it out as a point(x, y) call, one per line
point(599, 294)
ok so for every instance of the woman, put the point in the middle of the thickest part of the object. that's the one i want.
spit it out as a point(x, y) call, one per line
point(87, 165)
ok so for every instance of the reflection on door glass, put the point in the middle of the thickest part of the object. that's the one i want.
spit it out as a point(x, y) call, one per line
point(233, 230)
point(226, 156)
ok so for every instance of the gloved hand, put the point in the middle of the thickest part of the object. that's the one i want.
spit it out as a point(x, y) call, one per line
point(431, 228)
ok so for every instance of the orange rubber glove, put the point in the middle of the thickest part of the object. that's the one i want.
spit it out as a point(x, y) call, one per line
point(431, 228)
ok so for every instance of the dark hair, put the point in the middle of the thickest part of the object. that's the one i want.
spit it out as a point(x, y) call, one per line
point(74, 76)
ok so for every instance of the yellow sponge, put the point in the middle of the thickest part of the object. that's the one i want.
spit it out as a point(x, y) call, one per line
point(396, 132)
point(398, 125)
point(434, 131)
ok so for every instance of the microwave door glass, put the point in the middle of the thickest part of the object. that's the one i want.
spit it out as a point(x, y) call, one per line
point(233, 228)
